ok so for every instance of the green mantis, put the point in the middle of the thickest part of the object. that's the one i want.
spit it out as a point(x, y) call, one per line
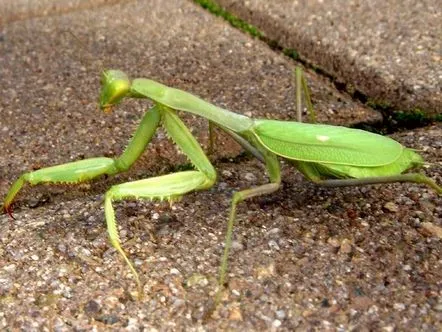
point(327, 155)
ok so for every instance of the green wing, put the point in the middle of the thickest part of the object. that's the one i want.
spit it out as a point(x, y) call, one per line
point(326, 144)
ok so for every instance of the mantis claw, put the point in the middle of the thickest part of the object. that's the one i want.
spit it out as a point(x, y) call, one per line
point(8, 210)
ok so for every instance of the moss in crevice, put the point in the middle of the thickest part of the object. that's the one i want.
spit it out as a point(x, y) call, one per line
point(235, 21)
point(394, 121)
point(412, 118)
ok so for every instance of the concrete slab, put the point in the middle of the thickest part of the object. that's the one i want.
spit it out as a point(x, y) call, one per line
point(389, 50)
point(18, 10)
point(304, 257)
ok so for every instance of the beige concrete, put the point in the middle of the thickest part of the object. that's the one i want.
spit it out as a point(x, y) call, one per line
point(389, 50)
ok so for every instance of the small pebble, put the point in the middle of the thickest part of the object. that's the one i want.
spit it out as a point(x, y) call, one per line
point(226, 173)
point(399, 306)
point(273, 231)
point(392, 207)
point(438, 307)
point(273, 245)
point(237, 246)
point(10, 268)
point(92, 307)
point(132, 325)
point(334, 242)
point(235, 314)
point(197, 280)
point(346, 247)
point(250, 177)
point(107, 319)
point(431, 229)
point(235, 292)
point(178, 303)
point(280, 314)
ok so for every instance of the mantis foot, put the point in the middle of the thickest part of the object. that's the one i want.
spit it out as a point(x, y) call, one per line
point(7, 209)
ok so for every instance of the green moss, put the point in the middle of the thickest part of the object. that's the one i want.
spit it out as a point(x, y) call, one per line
point(412, 118)
point(380, 105)
point(292, 53)
point(235, 21)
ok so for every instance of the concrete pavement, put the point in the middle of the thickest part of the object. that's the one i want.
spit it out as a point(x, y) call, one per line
point(303, 258)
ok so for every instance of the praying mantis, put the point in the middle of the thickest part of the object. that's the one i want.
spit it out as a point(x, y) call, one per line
point(327, 155)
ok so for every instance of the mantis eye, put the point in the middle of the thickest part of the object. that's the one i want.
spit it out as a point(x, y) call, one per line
point(115, 85)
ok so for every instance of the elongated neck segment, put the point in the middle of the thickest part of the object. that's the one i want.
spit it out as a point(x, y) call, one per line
point(184, 101)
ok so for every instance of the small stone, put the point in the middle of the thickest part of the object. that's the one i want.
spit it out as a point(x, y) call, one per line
point(307, 313)
point(237, 246)
point(10, 268)
point(108, 319)
point(273, 245)
point(111, 301)
point(392, 207)
point(35, 258)
point(276, 323)
point(132, 325)
point(178, 303)
point(174, 271)
point(346, 247)
point(62, 247)
point(273, 231)
point(361, 303)
point(197, 280)
point(264, 272)
point(92, 307)
point(334, 242)
point(226, 173)
point(431, 229)
point(280, 314)
point(250, 177)
point(399, 306)
point(235, 314)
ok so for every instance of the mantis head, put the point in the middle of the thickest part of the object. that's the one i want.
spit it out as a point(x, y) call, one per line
point(115, 85)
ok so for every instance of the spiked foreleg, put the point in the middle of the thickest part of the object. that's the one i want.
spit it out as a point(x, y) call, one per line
point(88, 169)
point(169, 187)
point(181, 135)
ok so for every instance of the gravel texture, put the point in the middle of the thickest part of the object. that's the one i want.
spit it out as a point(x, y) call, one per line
point(24, 9)
point(303, 258)
point(389, 50)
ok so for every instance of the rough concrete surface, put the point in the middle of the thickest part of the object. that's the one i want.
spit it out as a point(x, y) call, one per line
point(24, 9)
point(389, 50)
point(303, 258)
